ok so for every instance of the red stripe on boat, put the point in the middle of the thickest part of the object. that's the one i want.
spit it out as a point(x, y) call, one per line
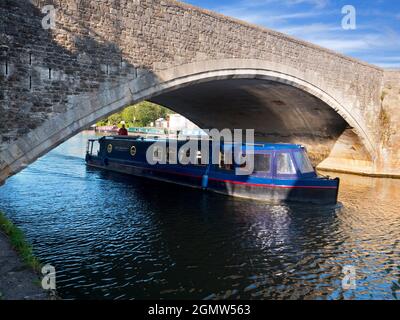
point(238, 182)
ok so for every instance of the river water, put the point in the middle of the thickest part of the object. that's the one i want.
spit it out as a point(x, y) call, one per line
point(117, 237)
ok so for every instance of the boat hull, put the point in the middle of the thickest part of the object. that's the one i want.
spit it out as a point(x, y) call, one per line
point(274, 193)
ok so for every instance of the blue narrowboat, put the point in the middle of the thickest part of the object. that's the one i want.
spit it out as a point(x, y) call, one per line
point(282, 172)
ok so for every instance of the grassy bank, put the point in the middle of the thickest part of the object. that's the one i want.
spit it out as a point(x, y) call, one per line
point(19, 243)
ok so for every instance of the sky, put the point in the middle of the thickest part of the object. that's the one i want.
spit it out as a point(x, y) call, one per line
point(375, 39)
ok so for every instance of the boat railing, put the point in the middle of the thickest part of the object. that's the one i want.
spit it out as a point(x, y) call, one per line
point(150, 138)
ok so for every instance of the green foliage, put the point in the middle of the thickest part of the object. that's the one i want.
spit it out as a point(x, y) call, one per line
point(19, 243)
point(138, 115)
point(115, 118)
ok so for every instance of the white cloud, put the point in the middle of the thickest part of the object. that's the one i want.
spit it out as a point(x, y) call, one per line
point(391, 58)
point(385, 62)
point(270, 12)
point(263, 3)
point(299, 30)
point(342, 41)
point(316, 3)
point(345, 45)
point(268, 17)
point(386, 65)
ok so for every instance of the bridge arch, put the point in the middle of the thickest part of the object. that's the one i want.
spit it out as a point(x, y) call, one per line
point(158, 86)
point(206, 71)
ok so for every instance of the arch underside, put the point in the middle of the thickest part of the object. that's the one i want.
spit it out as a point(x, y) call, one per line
point(278, 106)
point(278, 112)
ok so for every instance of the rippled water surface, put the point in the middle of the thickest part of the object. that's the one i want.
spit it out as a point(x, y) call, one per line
point(112, 236)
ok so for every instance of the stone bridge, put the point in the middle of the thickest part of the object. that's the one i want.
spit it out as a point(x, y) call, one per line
point(219, 72)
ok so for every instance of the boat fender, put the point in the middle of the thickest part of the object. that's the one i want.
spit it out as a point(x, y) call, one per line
point(204, 181)
point(104, 162)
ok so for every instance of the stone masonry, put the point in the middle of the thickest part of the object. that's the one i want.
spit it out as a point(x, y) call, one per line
point(103, 55)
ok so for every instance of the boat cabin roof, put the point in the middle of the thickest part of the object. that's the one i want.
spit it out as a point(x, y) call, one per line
point(267, 146)
point(258, 146)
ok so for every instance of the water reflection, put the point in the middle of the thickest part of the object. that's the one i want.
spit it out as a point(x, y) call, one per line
point(112, 236)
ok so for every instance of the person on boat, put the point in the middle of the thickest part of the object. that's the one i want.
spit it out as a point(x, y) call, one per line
point(122, 131)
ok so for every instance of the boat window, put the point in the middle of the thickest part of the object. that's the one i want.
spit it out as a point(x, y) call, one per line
point(157, 154)
point(172, 155)
point(222, 164)
point(181, 156)
point(285, 164)
point(184, 156)
point(262, 163)
point(303, 162)
point(198, 159)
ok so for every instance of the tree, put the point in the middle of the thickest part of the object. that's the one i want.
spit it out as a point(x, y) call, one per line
point(147, 112)
point(138, 115)
point(128, 115)
point(115, 119)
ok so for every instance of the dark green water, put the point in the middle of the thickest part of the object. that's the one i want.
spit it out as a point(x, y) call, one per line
point(112, 236)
